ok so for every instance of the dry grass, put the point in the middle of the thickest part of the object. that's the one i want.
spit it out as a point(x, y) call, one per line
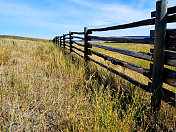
point(165, 109)
point(44, 89)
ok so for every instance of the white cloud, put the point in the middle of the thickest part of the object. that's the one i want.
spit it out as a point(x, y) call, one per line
point(102, 14)
point(81, 2)
point(171, 3)
point(121, 14)
point(110, 15)
point(98, 22)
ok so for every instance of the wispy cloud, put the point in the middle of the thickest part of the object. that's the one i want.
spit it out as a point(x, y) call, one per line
point(120, 13)
point(98, 22)
point(81, 2)
point(101, 14)
point(171, 3)
point(110, 14)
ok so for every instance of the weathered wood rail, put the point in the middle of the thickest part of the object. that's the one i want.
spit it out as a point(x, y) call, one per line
point(163, 53)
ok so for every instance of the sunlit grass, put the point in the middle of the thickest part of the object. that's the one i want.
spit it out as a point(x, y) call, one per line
point(42, 88)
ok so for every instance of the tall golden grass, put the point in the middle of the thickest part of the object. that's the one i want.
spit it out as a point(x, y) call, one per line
point(43, 88)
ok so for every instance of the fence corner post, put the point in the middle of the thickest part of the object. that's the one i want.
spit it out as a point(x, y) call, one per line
point(71, 42)
point(159, 52)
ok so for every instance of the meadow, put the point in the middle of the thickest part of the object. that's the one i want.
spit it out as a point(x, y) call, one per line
point(44, 88)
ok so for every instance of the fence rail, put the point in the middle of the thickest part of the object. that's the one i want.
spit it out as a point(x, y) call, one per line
point(141, 40)
point(145, 72)
point(77, 32)
point(162, 39)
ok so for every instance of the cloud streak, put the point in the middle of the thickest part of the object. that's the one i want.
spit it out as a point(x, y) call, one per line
point(81, 2)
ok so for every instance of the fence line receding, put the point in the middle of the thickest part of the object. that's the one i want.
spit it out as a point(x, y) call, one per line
point(163, 53)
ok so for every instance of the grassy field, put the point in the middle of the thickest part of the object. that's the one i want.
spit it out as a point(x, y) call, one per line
point(43, 88)
point(21, 38)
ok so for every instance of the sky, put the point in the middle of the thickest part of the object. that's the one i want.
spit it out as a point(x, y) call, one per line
point(49, 18)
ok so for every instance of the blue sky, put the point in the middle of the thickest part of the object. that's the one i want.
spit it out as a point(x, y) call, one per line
point(48, 18)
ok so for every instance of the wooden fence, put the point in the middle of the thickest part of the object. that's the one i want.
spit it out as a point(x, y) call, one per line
point(164, 41)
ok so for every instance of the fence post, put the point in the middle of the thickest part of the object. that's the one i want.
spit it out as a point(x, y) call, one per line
point(71, 42)
point(159, 49)
point(60, 41)
point(86, 45)
point(64, 40)
point(56, 41)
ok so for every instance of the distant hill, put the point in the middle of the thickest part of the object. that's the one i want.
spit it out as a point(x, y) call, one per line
point(22, 38)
